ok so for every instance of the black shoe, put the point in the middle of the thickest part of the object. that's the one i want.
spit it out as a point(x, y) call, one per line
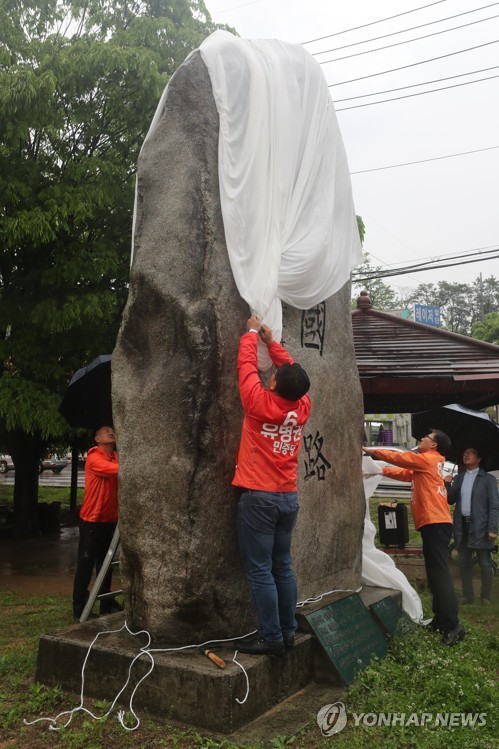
point(433, 627)
point(289, 642)
point(454, 636)
point(112, 608)
point(467, 602)
point(256, 645)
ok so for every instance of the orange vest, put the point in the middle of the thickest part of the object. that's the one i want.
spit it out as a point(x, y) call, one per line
point(100, 502)
point(426, 471)
point(267, 459)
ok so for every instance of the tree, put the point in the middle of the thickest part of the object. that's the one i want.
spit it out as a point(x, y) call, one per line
point(79, 83)
point(461, 305)
point(488, 328)
point(382, 296)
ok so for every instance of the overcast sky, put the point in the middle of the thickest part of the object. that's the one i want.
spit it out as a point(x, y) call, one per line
point(412, 213)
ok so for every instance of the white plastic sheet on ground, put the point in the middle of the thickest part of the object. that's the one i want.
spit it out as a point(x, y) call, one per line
point(377, 567)
point(285, 188)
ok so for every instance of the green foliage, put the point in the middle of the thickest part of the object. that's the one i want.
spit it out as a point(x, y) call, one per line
point(419, 675)
point(79, 83)
point(382, 296)
point(488, 328)
point(362, 228)
point(462, 305)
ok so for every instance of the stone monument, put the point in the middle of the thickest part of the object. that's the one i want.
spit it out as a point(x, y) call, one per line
point(176, 405)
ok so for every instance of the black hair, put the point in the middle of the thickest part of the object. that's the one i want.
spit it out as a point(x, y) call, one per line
point(476, 449)
point(291, 382)
point(443, 442)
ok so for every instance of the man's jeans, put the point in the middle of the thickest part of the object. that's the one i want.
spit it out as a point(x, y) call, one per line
point(265, 522)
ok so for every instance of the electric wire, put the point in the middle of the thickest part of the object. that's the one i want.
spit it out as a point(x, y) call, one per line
point(414, 64)
point(404, 31)
point(417, 93)
point(418, 269)
point(373, 23)
point(430, 263)
point(423, 161)
point(475, 252)
point(415, 85)
point(407, 41)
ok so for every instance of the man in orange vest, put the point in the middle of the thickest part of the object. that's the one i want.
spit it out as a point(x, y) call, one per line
point(432, 519)
point(98, 518)
point(266, 470)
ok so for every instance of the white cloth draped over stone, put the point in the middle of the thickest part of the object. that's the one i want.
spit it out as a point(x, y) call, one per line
point(287, 206)
point(377, 567)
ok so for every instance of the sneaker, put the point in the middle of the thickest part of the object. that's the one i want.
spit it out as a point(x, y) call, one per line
point(289, 642)
point(454, 636)
point(485, 602)
point(256, 645)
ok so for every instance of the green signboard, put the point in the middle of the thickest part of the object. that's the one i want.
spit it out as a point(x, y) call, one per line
point(391, 618)
point(348, 634)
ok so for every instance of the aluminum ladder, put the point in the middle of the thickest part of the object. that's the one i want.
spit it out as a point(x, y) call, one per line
point(111, 558)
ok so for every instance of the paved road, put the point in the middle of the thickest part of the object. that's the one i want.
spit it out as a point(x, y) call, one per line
point(47, 478)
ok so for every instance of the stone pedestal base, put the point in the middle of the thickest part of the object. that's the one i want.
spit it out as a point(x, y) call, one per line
point(184, 686)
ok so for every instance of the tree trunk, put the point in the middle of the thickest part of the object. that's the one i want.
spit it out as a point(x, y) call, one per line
point(26, 451)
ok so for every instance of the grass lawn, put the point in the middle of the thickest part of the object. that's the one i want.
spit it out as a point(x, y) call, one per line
point(419, 677)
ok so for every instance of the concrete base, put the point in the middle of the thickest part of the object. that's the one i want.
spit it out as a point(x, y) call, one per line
point(184, 686)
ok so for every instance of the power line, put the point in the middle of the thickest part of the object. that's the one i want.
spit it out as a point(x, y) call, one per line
point(403, 272)
point(372, 23)
point(430, 264)
point(414, 64)
point(418, 93)
point(415, 85)
point(424, 161)
point(441, 262)
point(404, 31)
point(488, 249)
point(420, 268)
point(407, 41)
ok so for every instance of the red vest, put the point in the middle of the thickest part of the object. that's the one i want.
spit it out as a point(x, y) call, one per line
point(100, 502)
point(272, 428)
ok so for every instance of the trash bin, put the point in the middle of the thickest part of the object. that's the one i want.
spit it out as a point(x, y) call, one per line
point(393, 524)
point(49, 517)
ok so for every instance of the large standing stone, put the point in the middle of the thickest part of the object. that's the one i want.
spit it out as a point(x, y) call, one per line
point(176, 404)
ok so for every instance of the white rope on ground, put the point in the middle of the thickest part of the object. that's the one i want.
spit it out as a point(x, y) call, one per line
point(147, 651)
point(234, 660)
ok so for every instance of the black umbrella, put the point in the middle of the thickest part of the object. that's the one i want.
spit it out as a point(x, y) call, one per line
point(87, 400)
point(466, 428)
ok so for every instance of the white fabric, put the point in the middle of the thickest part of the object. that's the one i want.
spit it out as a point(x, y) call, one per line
point(285, 188)
point(377, 567)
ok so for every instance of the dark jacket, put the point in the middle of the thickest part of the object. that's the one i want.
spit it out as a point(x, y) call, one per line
point(484, 510)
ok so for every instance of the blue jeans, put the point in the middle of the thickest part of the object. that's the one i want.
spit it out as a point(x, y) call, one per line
point(265, 522)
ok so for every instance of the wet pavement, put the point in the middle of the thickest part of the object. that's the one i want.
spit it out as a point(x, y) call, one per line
point(44, 565)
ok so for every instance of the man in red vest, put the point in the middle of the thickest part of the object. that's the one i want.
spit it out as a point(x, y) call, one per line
point(266, 471)
point(98, 518)
point(431, 514)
